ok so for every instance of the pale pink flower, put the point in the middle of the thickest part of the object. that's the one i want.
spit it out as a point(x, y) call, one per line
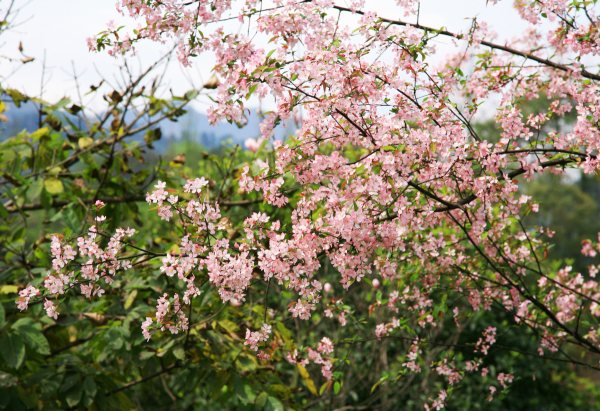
point(25, 295)
point(50, 309)
point(146, 328)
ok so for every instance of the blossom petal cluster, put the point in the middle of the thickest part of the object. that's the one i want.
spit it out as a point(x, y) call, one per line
point(388, 184)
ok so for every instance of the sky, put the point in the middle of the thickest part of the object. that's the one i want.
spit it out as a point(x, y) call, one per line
point(54, 32)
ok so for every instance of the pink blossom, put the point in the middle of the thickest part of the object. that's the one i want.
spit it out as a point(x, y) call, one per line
point(251, 144)
point(195, 186)
point(484, 343)
point(25, 295)
point(159, 195)
point(50, 309)
point(254, 338)
point(505, 379)
point(325, 346)
point(146, 328)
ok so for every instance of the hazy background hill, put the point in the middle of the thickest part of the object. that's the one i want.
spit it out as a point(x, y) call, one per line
point(193, 126)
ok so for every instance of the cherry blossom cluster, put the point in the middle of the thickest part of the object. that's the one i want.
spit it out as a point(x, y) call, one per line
point(322, 356)
point(254, 338)
point(386, 180)
point(91, 275)
point(169, 316)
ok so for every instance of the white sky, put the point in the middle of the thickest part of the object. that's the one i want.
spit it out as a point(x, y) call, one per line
point(58, 29)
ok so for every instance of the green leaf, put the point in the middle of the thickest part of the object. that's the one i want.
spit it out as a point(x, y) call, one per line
point(251, 90)
point(3, 211)
point(273, 404)
point(378, 383)
point(246, 394)
point(2, 316)
point(152, 135)
point(16, 96)
point(32, 336)
point(74, 396)
point(35, 190)
point(53, 121)
point(144, 355)
point(285, 333)
point(191, 94)
point(53, 186)
point(89, 386)
point(115, 338)
point(179, 353)
point(324, 387)
point(261, 400)
point(337, 386)
point(12, 349)
point(46, 200)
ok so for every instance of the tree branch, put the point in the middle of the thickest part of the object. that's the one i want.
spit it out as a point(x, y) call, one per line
point(489, 44)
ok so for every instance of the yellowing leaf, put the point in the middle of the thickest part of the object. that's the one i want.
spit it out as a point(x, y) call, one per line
point(310, 384)
point(130, 299)
point(8, 289)
point(53, 186)
point(84, 142)
point(98, 318)
point(229, 326)
point(39, 133)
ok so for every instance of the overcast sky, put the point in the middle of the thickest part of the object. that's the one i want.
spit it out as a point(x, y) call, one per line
point(58, 29)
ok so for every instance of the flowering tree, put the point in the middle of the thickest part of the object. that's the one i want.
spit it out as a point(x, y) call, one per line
point(387, 218)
